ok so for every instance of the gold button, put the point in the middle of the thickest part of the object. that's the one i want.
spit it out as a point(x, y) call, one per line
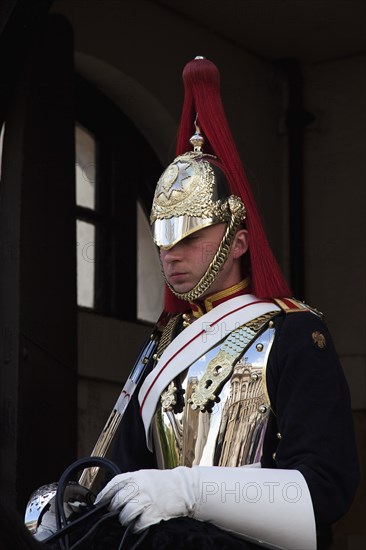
point(262, 409)
point(278, 435)
point(319, 339)
point(274, 456)
point(259, 347)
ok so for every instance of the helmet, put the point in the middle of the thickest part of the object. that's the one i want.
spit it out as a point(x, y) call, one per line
point(190, 194)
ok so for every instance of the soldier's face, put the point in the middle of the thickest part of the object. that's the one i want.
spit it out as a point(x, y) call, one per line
point(185, 263)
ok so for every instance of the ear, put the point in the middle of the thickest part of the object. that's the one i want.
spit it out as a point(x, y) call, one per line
point(241, 243)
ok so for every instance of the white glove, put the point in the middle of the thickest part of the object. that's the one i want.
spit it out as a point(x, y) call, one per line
point(234, 499)
point(149, 496)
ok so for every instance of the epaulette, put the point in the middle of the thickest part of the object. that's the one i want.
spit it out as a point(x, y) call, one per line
point(291, 305)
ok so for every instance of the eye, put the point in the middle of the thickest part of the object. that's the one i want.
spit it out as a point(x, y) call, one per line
point(192, 237)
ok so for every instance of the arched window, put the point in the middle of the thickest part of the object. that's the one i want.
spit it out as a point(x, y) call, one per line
point(118, 269)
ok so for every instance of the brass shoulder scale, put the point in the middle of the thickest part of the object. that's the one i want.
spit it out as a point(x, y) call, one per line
point(220, 368)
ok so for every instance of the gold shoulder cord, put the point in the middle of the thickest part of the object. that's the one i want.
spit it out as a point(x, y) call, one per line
point(166, 336)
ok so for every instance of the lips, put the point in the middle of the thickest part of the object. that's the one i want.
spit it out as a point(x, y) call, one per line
point(177, 276)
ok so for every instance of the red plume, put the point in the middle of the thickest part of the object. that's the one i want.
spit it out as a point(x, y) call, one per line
point(202, 97)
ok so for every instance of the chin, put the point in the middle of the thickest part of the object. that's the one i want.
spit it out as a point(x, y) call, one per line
point(181, 289)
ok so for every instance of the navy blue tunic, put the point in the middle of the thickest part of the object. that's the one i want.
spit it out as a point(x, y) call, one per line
point(310, 427)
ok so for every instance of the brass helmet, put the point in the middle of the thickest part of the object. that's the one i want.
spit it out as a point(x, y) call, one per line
point(193, 193)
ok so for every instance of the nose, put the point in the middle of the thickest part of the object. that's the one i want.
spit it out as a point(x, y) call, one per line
point(171, 255)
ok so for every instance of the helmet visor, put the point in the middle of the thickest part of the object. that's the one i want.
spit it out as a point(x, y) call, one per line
point(169, 231)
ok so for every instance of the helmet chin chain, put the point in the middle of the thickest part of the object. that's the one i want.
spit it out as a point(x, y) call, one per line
point(237, 210)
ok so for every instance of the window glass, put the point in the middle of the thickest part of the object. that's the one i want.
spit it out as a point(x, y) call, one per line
point(85, 167)
point(85, 263)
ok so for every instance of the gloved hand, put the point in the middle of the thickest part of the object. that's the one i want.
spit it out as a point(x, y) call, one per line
point(149, 496)
point(234, 499)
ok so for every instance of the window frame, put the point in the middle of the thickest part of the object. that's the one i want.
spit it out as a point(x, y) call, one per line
point(126, 172)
